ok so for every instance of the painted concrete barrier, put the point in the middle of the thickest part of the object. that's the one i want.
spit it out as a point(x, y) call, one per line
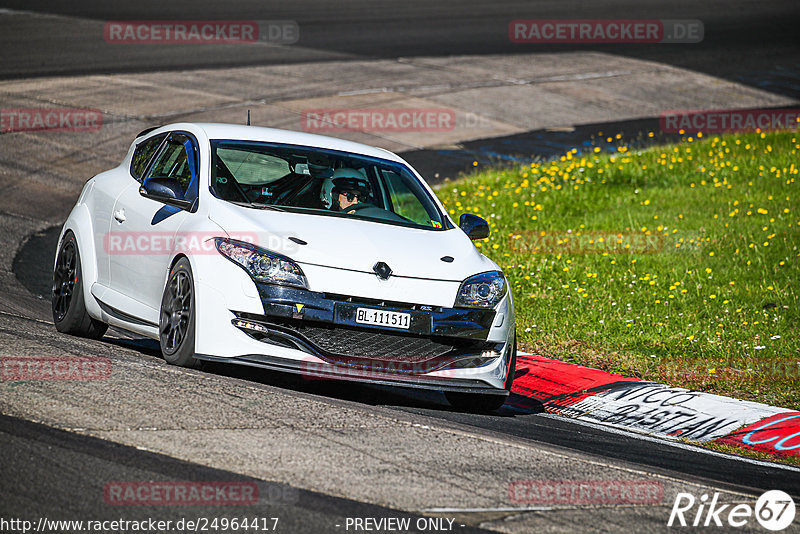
point(778, 434)
point(611, 399)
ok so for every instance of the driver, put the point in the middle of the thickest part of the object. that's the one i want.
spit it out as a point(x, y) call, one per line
point(351, 190)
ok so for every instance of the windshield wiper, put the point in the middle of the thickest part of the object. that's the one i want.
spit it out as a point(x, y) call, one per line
point(257, 206)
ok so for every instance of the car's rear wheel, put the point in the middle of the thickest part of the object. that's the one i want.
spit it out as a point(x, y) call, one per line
point(482, 403)
point(69, 308)
point(177, 318)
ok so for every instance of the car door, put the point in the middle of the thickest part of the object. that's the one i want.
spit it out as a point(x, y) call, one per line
point(147, 229)
point(107, 188)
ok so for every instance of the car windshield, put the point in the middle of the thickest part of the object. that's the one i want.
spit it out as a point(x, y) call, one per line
point(322, 182)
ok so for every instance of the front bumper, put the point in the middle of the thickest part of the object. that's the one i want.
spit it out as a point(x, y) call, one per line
point(443, 348)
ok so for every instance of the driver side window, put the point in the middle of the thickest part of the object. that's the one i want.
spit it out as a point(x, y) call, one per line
point(143, 154)
point(177, 160)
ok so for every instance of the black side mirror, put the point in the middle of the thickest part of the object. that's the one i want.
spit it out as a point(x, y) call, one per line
point(474, 226)
point(166, 190)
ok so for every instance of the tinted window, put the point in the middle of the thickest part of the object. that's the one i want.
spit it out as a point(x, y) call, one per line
point(251, 167)
point(404, 192)
point(143, 154)
point(178, 160)
point(321, 182)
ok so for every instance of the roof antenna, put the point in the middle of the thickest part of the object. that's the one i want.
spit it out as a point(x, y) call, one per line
point(248, 117)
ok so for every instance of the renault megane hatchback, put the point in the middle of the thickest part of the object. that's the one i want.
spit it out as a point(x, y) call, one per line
point(287, 251)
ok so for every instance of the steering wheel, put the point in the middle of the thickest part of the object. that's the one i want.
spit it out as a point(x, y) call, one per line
point(358, 207)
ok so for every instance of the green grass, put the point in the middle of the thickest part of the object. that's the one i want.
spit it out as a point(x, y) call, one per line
point(677, 264)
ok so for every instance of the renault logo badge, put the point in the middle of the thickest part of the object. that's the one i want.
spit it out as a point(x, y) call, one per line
point(382, 270)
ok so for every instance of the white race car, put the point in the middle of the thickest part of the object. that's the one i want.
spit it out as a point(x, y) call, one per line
point(287, 251)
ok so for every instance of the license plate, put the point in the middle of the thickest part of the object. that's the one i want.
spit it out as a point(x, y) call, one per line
point(383, 318)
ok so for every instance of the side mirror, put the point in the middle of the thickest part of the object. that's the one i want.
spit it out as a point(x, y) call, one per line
point(473, 226)
point(166, 190)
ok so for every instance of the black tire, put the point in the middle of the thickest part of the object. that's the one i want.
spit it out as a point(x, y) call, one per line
point(69, 308)
point(177, 317)
point(481, 402)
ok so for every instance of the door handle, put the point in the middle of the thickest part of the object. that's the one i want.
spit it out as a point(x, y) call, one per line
point(119, 215)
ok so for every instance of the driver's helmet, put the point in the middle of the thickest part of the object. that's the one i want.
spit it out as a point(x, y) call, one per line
point(344, 180)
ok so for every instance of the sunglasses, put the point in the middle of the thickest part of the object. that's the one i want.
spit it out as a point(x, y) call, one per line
point(349, 195)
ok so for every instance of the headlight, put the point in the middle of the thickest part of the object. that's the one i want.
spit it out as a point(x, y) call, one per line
point(483, 290)
point(262, 265)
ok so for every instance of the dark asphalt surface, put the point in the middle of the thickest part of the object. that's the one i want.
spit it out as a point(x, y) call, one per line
point(61, 476)
point(750, 42)
point(46, 472)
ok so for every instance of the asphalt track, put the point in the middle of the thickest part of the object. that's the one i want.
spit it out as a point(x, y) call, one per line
point(42, 469)
point(749, 42)
point(48, 468)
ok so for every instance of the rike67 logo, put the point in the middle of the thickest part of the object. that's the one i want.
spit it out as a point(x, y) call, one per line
point(774, 510)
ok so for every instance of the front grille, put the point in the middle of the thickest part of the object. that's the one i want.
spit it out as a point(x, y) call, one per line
point(349, 345)
point(371, 344)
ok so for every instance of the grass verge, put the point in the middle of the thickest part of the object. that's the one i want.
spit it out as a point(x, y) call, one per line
point(677, 264)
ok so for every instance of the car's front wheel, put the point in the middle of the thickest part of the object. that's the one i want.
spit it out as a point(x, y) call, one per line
point(177, 319)
point(69, 308)
point(482, 403)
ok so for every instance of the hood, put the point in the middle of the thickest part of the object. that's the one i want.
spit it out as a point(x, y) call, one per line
point(355, 244)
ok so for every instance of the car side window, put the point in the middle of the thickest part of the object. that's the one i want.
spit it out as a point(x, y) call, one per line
point(178, 159)
point(143, 153)
point(405, 202)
